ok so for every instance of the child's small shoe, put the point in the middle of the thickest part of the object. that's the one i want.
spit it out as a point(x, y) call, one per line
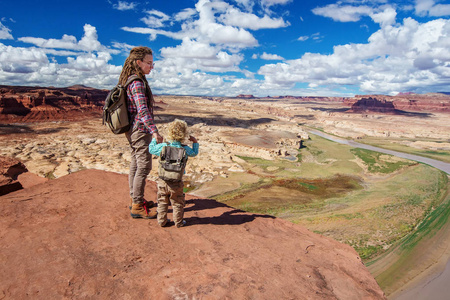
point(165, 223)
point(181, 224)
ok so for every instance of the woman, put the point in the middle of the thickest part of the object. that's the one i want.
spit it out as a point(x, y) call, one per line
point(143, 129)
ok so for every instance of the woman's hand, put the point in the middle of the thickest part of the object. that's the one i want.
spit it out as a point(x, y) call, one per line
point(193, 139)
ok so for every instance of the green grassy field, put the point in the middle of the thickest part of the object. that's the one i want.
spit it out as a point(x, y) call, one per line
point(363, 198)
point(419, 249)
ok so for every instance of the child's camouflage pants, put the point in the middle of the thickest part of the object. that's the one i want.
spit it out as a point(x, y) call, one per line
point(170, 193)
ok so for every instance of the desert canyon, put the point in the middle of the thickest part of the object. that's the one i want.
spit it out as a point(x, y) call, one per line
point(66, 231)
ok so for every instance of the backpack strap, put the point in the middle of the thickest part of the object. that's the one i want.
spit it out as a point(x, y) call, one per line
point(131, 79)
point(163, 153)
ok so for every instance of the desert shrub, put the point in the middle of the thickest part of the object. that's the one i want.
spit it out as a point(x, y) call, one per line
point(369, 251)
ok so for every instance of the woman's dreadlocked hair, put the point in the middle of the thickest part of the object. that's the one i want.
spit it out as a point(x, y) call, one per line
point(130, 67)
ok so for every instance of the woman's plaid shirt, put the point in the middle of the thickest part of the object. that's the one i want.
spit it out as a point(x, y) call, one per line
point(139, 107)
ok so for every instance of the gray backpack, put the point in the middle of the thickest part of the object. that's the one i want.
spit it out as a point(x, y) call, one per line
point(115, 111)
point(172, 162)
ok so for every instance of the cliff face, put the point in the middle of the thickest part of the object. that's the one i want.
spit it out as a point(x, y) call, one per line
point(73, 237)
point(407, 102)
point(373, 105)
point(26, 104)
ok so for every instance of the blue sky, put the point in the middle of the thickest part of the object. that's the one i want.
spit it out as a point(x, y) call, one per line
point(226, 48)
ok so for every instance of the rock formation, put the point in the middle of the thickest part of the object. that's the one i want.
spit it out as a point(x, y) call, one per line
point(10, 169)
point(432, 102)
point(22, 104)
point(15, 176)
point(73, 237)
point(373, 105)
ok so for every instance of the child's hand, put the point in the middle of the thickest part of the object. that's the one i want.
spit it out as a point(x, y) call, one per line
point(192, 139)
point(158, 137)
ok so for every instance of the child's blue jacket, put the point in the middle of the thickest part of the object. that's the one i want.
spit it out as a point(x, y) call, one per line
point(156, 149)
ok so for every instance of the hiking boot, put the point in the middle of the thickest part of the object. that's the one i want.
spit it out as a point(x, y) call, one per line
point(149, 204)
point(140, 210)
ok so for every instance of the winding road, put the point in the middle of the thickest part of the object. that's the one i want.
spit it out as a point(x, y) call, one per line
point(443, 166)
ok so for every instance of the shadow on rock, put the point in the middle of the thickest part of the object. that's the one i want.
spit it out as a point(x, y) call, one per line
point(6, 129)
point(214, 120)
point(413, 114)
point(230, 217)
point(200, 204)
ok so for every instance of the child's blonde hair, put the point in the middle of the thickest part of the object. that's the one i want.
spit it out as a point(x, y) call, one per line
point(177, 130)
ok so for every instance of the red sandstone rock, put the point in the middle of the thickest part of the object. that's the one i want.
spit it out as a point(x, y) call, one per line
point(373, 105)
point(28, 104)
point(73, 237)
point(410, 102)
point(10, 169)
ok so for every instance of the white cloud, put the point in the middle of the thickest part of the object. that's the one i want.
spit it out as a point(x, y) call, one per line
point(217, 22)
point(315, 36)
point(206, 29)
point(275, 2)
point(211, 35)
point(88, 69)
point(344, 13)
point(185, 14)
point(5, 33)
point(190, 49)
point(155, 19)
point(122, 47)
point(242, 83)
point(9, 54)
point(267, 56)
point(430, 8)
point(66, 42)
point(89, 41)
point(195, 55)
point(399, 57)
point(235, 17)
point(246, 4)
point(87, 62)
point(124, 5)
point(407, 57)
point(385, 17)
point(55, 52)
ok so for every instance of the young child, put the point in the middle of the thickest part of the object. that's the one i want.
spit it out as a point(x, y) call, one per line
point(171, 192)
